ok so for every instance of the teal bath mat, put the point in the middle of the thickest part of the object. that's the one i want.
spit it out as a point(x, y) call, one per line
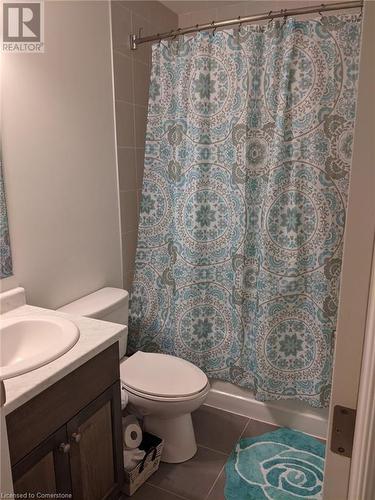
point(279, 465)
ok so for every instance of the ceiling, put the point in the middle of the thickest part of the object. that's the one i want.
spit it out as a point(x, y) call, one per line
point(183, 7)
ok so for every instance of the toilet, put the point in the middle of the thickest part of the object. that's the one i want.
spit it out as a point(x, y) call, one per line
point(164, 390)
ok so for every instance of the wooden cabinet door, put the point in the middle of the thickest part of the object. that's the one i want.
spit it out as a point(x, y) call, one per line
point(46, 469)
point(96, 458)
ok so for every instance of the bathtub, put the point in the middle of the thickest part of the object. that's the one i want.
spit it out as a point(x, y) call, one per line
point(294, 414)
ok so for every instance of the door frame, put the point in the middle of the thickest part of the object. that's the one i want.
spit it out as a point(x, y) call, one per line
point(355, 285)
point(362, 471)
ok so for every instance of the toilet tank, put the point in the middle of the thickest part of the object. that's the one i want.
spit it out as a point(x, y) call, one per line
point(107, 304)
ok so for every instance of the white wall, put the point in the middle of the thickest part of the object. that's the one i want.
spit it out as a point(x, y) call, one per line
point(60, 158)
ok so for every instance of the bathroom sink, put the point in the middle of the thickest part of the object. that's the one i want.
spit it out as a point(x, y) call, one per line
point(28, 342)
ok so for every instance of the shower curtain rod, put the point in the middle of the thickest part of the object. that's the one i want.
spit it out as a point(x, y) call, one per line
point(136, 40)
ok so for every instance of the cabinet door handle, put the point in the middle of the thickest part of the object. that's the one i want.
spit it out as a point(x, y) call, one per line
point(64, 448)
point(76, 437)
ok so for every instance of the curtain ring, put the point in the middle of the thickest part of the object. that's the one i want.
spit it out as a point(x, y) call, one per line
point(214, 28)
point(284, 17)
point(270, 18)
point(239, 24)
point(176, 35)
point(322, 7)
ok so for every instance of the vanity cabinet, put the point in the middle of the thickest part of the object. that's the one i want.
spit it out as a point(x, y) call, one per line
point(94, 448)
point(68, 439)
point(45, 469)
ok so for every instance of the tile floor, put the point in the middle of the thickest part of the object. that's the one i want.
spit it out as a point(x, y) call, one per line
point(202, 477)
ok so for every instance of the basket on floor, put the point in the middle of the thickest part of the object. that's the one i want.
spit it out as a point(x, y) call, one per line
point(153, 446)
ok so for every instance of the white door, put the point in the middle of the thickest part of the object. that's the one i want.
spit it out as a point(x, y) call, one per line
point(356, 271)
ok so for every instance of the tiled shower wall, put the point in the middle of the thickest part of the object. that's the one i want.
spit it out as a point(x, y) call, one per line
point(218, 11)
point(131, 78)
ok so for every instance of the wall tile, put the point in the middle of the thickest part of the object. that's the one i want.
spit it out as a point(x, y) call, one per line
point(185, 20)
point(124, 270)
point(121, 27)
point(130, 248)
point(123, 77)
point(140, 7)
point(140, 126)
point(139, 199)
point(164, 20)
point(235, 9)
point(131, 80)
point(204, 16)
point(241, 9)
point(125, 123)
point(152, 11)
point(122, 212)
point(128, 280)
point(129, 211)
point(143, 52)
point(127, 169)
point(141, 83)
point(140, 162)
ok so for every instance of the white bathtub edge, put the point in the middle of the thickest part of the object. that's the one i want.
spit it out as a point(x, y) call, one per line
point(305, 421)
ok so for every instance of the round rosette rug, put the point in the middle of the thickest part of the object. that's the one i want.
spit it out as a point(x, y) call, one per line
point(279, 465)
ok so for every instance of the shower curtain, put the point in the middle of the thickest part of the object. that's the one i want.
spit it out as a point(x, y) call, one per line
point(247, 164)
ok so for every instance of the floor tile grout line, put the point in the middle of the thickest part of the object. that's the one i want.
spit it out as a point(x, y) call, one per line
point(224, 452)
point(244, 429)
point(177, 495)
point(223, 467)
point(216, 480)
point(220, 452)
point(246, 423)
point(213, 449)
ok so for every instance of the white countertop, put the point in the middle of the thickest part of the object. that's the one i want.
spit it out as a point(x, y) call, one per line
point(95, 336)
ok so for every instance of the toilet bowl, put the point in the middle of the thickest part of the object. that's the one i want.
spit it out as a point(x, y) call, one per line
point(164, 390)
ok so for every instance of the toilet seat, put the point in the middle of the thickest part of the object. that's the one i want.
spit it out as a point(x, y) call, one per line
point(166, 399)
point(162, 377)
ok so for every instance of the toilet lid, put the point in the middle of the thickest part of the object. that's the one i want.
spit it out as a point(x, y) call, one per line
point(162, 375)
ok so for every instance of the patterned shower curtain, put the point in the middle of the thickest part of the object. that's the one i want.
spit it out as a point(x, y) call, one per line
point(247, 164)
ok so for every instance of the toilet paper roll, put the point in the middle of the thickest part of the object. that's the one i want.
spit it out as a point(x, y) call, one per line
point(132, 432)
